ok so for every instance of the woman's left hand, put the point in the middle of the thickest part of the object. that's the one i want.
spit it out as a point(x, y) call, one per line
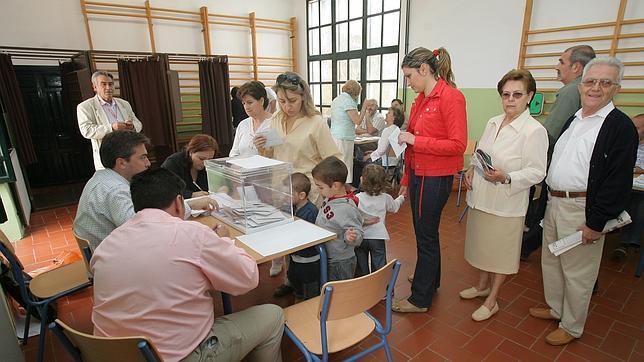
point(495, 176)
point(406, 137)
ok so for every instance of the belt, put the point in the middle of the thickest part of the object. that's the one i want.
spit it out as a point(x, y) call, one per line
point(567, 194)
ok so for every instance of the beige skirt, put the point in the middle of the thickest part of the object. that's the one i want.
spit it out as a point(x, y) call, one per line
point(493, 243)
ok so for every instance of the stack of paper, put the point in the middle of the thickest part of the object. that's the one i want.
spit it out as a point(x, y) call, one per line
point(255, 214)
point(562, 245)
point(393, 141)
point(254, 162)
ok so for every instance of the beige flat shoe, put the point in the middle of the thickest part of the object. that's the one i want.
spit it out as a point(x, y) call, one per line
point(404, 306)
point(559, 337)
point(542, 313)
point(471, 293)
point(483, 313)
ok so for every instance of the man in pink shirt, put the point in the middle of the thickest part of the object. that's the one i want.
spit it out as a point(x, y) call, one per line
point(153, 276)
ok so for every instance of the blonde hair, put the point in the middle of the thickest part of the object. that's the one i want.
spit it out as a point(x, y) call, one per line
point(352, 88)
point(290, 81)
point(440, 64)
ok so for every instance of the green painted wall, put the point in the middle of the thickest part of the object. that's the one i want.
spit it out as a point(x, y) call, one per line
point(12, 228)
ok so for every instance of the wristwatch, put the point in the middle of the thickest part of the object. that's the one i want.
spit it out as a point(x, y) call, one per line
point(508, 180)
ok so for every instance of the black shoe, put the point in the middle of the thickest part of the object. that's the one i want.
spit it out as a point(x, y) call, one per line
point(282, 290)
point(619, 254)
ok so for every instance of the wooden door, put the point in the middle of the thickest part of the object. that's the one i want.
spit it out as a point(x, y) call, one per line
point(63, 155)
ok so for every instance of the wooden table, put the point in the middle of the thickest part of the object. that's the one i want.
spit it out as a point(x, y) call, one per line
point(212, 220)
point(366, 140)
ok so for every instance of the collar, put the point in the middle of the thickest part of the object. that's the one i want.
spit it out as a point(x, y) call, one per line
point(103, 102)
point(115, 174)
point(153, 215)
point(603, 112)
point(517, 124)
point(348, 196)
point(436, 92)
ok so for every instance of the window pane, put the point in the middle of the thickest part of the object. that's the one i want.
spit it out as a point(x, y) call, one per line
point(342, 70)
point(325, 12)
point(392, 4)
point(326, 113)
point(375, 6)
point(373, 31)
point(373, 67)
point(355, 35)
point(314, 72)
point(390, 66)
point(339, 87)
point(315, 93)
point(326, 70)
point(389, 92)
point(327, 95)
point(354, 69)
point(341, 10)
point(314, 42)
point(390, 33)
point(313, 14)
point(355, 9)
point(373, 91)
point(325, 38)
point(342, 37)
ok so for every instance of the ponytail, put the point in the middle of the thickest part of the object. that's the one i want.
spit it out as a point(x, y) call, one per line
point(438, 60)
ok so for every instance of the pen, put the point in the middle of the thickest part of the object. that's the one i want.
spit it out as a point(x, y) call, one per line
point(194, 183)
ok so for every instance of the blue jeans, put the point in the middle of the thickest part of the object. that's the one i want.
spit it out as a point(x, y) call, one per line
point(375, 248)
point(428, 196)
point(342, 269)
point(632, 232)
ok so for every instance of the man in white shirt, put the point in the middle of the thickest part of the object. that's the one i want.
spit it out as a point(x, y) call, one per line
point(373, 122)
point(104, 113)
point(589, 182)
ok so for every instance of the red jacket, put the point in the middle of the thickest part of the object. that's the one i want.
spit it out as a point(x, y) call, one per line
point(439, 123)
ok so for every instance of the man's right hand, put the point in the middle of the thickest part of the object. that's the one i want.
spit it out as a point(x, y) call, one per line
point(204, 203)
point(120, 126)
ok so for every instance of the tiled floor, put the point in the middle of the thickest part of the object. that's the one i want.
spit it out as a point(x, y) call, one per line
point(615, 328)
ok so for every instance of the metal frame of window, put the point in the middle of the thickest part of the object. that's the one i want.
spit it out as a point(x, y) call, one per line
point(363, 53)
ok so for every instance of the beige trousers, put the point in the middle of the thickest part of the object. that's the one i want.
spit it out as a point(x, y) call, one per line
point(346, 148)
point(568, 279)
point(254, 334)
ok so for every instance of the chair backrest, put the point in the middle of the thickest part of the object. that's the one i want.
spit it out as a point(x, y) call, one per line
point(85, 249)
point(7, 244)
point(14, 264)
point(104, 349)
point(353, 296)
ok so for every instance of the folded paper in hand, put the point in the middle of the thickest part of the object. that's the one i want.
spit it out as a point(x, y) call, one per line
point(272, 137)
point(481, 160)
point(562, 245)
point(393, 141)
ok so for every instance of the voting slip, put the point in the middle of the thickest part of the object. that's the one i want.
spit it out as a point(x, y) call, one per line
point(393, 141)
point(272, 137)
point(563, 245)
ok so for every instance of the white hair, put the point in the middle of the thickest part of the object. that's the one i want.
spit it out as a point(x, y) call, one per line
point(99, 73)
point(612, 61)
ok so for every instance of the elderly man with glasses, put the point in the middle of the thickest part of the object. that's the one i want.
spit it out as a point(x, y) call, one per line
point(589, 183)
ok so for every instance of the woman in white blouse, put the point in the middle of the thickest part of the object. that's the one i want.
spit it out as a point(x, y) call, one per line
point(498, 197)
point(393, 120)
point(255, 101)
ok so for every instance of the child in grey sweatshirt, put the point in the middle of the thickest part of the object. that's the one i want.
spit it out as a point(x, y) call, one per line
point(339, 213)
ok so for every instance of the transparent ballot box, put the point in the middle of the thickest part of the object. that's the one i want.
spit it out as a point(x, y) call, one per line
point(253, 192)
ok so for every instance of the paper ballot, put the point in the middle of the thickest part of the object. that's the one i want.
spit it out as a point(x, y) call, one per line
point(562, 245)
point(272, 137)
point(393, 141)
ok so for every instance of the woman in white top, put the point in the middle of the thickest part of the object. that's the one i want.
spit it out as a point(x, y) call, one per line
point(255, 101)
point(394, 120)
point(498, 197)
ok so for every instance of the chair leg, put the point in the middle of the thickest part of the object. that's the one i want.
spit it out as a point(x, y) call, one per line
point(390, 358)
point(25, 335)
point(42, 311)
point(460, 218)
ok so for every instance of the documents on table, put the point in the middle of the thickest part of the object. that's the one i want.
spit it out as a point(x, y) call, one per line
point(285, 237)
point(562, 245)
point(253, 162)
point(272, 137)
point(393, 141)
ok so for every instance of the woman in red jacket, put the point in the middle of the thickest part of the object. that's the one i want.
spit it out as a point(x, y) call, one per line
point(436, 139)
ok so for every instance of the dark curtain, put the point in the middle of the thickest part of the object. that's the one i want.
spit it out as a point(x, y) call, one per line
point(216, 112)
point(14, 106)
point(144, 83)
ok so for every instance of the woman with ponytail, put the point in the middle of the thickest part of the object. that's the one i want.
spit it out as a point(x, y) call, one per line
point(436, 139)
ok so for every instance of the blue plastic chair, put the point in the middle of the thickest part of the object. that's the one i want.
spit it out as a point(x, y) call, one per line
point(38, 293)
point(89, 348)
point(339, 318)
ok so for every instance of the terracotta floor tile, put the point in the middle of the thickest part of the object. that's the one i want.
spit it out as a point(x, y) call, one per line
point(588, 352)
point(598, 324)
point(498, 356)
point(484, 343)
point(521, 352)
point(566, 356)
point(534, 326)
point(428, 356)
point(618, 344)
point(511, 333)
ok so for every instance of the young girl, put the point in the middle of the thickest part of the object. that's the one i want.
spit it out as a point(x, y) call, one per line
point(374, 201)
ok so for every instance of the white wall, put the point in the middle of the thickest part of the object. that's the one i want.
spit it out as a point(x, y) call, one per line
point(60, 24)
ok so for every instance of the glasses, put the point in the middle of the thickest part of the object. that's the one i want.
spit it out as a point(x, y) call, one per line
point(515, 95)
point(285, 77)
point(604, 83)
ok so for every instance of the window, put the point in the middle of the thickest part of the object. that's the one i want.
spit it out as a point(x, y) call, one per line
point(353, 39)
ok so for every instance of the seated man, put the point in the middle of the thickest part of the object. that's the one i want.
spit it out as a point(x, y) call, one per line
point(153, 276)
point(373, 122)
point(105, 203)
